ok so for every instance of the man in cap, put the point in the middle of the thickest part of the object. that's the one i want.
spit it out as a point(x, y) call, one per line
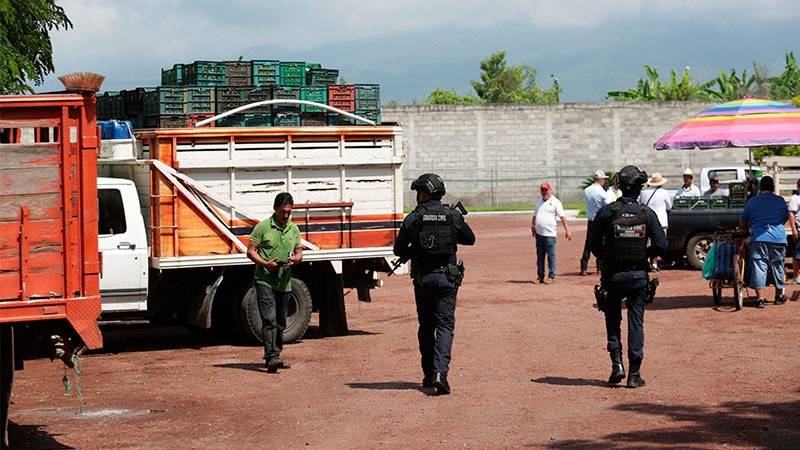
point(619, 240)
point(713, 188)
point(688, 189)
point(544, 228)
point(595, 197)
point(660, 202)
point(429, 238)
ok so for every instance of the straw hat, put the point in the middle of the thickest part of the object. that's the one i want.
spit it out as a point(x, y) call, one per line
point(656, 180)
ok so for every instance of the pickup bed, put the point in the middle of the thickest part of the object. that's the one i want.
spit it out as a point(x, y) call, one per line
point(691, 232)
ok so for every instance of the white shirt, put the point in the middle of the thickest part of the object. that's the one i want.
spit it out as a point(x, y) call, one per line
point(595, 197)
point(720, 193)
point(660, 202)
point(794, 205)
point(614, 193)
point(547, 215)
point(692, 191)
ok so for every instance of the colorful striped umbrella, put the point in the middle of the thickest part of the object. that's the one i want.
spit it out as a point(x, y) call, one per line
point(749, 122)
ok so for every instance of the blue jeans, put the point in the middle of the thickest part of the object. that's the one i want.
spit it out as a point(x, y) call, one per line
point(764, 256)
point(546, 245)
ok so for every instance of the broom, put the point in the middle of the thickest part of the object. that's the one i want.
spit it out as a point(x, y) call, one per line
point(82, 82)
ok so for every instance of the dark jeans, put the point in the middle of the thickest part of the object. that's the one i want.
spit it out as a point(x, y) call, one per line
point(586, 251)
point(630, 291)
point(272, 306)
point(546, 245)
point(436, 307)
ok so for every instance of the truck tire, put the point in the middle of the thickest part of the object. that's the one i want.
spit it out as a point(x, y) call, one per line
point(697, 249)
point(298, 314)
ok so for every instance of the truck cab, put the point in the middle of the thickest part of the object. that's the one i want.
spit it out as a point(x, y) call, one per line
point(122, 241)
point(725, 174)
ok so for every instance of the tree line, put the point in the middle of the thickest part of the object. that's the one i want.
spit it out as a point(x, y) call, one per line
point(501, 83)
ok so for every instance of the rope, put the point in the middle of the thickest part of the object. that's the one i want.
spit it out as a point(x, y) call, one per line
point(77, 365)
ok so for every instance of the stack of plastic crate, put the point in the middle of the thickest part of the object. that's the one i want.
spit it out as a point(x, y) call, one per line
point(292, 73)
point(341, 96)
point(265, 72)
point(238, 73)
point(172, 77)
point(204, 73)
point(286, 115)
point(368, 102)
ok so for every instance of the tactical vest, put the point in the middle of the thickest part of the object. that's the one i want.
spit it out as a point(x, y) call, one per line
point(627, 249)
point(436, 237)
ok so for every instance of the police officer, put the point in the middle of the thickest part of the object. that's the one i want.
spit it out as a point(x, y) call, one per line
point(619, 239)
point(428, 237)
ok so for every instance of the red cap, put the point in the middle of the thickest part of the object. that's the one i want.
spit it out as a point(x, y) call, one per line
point(545, 185)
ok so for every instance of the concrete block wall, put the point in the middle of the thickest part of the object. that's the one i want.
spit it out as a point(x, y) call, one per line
point(499, 154)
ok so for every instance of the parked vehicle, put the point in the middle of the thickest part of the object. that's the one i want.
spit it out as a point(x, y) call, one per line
point(177, 207)
point(49, 262)
point(726, 174)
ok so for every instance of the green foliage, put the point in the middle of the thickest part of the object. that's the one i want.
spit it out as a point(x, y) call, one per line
point(653, 89)
point(502, 84)
point(788, 84)
point(796, 101)
point(590, 179)
point(442, 97)
point(759, 153)
point(25, 46)
point(732, 87)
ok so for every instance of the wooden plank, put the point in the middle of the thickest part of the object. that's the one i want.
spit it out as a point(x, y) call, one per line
point(40, 284)
point(12, 156)
point(40, 206)
point(30, 180)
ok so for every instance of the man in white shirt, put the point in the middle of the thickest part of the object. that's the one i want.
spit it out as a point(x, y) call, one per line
point(794, 221)
point(595, 197)
point(659, 201)
point(688, 189)
point(544, 227)
point(713, 188)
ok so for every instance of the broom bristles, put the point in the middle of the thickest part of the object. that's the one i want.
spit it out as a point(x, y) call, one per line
point(82, 81)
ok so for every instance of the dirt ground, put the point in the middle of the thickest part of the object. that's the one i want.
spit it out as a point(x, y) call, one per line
point(529, 369)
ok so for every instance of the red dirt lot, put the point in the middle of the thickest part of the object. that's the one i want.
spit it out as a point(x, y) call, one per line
point(529, 369)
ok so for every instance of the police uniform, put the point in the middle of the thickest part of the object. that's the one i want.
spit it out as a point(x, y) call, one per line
point(429, 238)
point(619, 239)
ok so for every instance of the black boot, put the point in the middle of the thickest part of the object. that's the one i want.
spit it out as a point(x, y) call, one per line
point(617, 369)
point(440, 383)
point(634, 379)
point(427, 380)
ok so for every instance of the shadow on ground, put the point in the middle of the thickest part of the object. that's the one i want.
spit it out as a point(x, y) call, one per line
point(767, 425)
point(563, 381)
point(32, 436)
point(391, 386)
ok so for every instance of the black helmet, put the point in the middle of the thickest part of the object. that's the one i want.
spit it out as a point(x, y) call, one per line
point(631, 177)
point(429, 183)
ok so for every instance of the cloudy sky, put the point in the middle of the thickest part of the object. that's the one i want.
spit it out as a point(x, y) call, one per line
point(412, 47)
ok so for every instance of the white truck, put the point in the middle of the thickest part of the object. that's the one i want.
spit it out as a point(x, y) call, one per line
point(176, 208)
point(725, 174)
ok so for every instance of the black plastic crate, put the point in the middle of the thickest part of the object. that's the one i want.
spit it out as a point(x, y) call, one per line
point(234, 120)
point(133, 101)
point(285, 118)
point(286, 92)
point(335, 120)
point(259, 93)
point(103, 107)
point(368, 92)
point(200, 93)
point(204, 73)
point(313, 119)
point(238, 68)
point(225, 106)
point(257, 120)
point(167, 121)
point(172, 77)
point(372, 114)
point(116, 105)
point(321, 77)
point(164, 100)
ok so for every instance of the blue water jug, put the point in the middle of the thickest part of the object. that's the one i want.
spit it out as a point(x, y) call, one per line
point(115, 129)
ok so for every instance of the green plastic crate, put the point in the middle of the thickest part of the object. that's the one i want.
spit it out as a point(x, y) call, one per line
point(292, 69)
point(293, 81)
point(368, 92)
point(321, 77)
point(285, 118)
point(200, 93)
point(314, 94)
point(372, 114)
point(257, 120)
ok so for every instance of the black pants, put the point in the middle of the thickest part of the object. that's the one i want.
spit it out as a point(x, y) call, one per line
point(586, 251)
point(272, 306)
point(436, 307)
point(631, 291)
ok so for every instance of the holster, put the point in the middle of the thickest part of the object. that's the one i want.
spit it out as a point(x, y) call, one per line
point(650, 291)
point(455, 272)
point(601, 295)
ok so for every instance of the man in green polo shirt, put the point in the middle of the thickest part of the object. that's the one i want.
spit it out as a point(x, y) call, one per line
point(275, 247)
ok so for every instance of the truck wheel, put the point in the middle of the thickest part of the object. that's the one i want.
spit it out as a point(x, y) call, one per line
point(697, 250)
point(298, 314)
